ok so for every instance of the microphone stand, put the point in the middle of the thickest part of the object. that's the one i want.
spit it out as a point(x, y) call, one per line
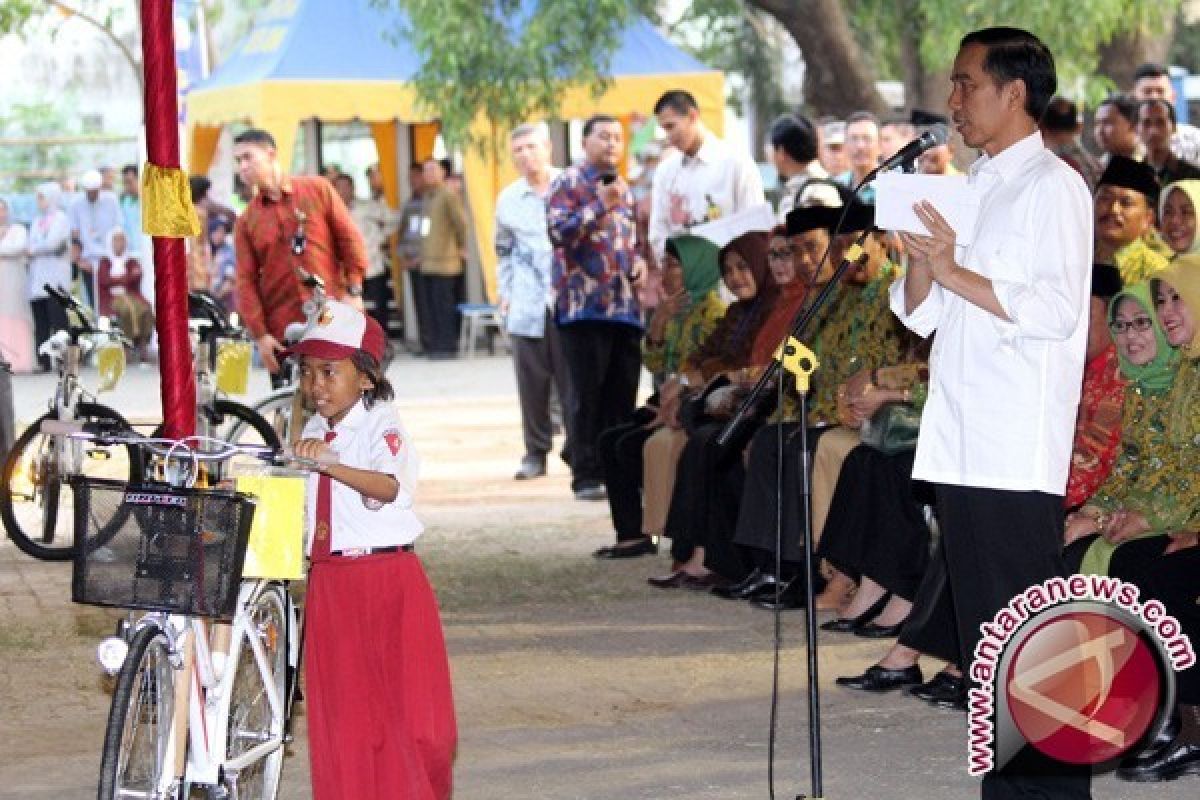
point(798, 360)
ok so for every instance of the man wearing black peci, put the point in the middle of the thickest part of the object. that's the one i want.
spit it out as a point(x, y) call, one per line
point(1011, 313)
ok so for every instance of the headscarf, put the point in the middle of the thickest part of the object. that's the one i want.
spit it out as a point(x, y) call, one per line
point(1183, 275)
point(117, 263)
point(701, 271)
point(752, 246)
point(1157, 376)
point(53, 194)
point(728, 346)
point(1192, 189)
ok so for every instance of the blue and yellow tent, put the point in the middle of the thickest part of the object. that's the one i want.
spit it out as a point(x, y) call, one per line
point(329, 59)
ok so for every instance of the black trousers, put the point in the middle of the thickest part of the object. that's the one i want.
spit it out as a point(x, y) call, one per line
point(376, 297)
point(995, 544)
point(48, 319)
point(875, 528)
point(620, 449)
point(541, 370)
point(437, 312)
point(604, 360)
point(1172, 580)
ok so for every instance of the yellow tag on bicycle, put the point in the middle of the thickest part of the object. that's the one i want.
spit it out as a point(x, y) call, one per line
point(276, 547)
point(233, 367)
point(110, 364)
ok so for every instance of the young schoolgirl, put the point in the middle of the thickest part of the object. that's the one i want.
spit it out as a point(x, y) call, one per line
point(377, 681)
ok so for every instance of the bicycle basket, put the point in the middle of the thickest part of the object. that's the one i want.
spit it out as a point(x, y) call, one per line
point(159, 548)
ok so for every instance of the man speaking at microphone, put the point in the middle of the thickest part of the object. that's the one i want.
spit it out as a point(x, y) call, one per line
point(1010, 309)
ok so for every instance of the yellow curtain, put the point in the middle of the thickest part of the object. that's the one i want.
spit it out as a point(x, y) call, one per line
point(424, 137)
point(203, 150)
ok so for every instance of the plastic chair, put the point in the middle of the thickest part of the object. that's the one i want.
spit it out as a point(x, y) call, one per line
point(478, 318)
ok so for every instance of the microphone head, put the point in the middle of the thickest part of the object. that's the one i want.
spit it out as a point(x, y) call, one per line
point(939, 134)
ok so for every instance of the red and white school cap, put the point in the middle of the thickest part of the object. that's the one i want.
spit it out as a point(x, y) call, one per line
point(339, 331)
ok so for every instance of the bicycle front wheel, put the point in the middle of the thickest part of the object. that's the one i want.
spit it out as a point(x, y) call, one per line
point(36, 507)
point(138, 760)
point(257, 701)
point(277, 409)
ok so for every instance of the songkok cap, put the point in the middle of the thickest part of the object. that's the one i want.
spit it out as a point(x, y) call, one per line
point(90, 181)
point(340, 331)
point(1106, 281)
point(1129, 174)
point(860, 216)
point(724, 230)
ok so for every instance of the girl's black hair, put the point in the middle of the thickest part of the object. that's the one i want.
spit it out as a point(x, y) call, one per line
point(381, 388)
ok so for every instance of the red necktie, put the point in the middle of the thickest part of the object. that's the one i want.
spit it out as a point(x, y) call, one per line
point(323, 533)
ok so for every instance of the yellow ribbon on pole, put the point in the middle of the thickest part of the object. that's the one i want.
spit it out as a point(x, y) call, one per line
point(167, 203)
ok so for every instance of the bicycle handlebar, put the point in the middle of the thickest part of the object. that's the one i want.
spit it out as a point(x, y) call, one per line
point(109, 433)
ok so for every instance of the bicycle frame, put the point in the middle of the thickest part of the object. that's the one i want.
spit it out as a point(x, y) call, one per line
point(196, 750)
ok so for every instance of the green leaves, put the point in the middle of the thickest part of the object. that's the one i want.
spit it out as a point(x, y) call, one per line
point(509, 60)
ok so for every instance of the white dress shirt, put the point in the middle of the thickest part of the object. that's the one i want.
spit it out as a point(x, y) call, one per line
point(1003, 395)
point(376, 440)
point(729, 179)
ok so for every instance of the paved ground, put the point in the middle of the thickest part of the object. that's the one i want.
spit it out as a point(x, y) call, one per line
point(573, 679)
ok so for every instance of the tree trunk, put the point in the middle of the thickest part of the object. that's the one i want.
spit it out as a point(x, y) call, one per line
point(924, 88)
point(836, 79)
point(1127, 51)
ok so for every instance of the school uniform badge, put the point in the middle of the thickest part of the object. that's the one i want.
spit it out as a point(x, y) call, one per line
point(393, 440)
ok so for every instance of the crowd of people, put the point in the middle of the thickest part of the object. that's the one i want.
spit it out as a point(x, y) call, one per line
point(575, 248)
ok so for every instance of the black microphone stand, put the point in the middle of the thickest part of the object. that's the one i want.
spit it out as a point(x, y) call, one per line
point(793, 356)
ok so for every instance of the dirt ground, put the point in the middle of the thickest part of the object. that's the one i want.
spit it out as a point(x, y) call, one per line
point(573, 679)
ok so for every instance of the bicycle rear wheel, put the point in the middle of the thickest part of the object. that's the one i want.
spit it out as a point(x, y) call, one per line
point(137, 758)
point(36, 507)
point(254, 718)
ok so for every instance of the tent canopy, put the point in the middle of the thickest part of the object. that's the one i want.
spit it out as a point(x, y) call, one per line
point(332, 60)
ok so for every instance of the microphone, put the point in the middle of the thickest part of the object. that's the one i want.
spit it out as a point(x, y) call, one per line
point(936, 135)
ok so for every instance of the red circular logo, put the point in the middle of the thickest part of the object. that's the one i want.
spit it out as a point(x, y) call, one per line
point(1083, 687)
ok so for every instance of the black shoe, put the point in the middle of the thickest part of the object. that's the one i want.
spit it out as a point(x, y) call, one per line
point(1165, 764)
point(791, 597)
point(1146, 760)
point(940, 686)
point(593, 491)
point(531, 467)
point(881, 679)
point(754, 583)
point(873, 631)
point(852, 624)
point(642, 547)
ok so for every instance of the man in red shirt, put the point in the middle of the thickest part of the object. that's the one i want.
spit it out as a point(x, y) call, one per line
point(293, 221)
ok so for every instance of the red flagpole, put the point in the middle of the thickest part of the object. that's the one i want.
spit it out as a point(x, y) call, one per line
point(170, 260)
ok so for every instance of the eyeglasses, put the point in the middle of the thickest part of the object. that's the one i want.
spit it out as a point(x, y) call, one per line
point(1136, 324)
point(780, 254)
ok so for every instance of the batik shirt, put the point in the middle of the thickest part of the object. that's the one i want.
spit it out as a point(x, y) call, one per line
point(1137, 261)
point(683, 335)
point(1098, 428)
point(595, 250)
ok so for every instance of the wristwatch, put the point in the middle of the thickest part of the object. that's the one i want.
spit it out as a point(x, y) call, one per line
point(354, 291)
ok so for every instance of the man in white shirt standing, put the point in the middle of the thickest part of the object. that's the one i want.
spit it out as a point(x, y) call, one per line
point(524, 263)
point(1010, 308)
point(702, 179)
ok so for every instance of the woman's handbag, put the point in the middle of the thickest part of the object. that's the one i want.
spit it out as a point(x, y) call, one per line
point(892, 429)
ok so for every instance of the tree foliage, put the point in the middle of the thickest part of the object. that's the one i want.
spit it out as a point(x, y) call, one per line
point(508, 60)
point(1074, 31)
point(29, 163)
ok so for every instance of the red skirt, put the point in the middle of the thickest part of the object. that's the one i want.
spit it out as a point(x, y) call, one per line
point(377, 682)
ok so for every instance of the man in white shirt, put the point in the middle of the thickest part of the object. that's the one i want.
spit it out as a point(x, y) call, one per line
point(525, 289)
point(702, 180)
point(1010, 308)
point(1153, 82)
point(93, 215)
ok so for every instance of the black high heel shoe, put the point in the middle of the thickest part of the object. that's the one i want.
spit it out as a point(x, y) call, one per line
point(853, 624)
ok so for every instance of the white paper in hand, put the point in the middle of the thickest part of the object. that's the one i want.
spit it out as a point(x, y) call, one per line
point(951, 195)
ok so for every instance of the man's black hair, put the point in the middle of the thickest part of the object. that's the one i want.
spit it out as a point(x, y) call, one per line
point(796, 137)
point(678, 100)
point(255, 136)
point(130, 169)
point(448, 166)
point(1150, 70)
point(1158, 101)
point(1125, 105)
point(199, 186)
point(597, 119)
point(1061, 116)
point(1014, 54)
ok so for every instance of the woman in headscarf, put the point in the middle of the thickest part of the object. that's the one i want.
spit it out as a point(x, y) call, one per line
point(49, 239)
point(16, 318)
point(1177, 216)
point(119, 280)
point(726, 356)
point(680, 324)
point(1153, 488)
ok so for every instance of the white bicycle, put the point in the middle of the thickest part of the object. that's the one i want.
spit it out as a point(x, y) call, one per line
point(199, 702)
